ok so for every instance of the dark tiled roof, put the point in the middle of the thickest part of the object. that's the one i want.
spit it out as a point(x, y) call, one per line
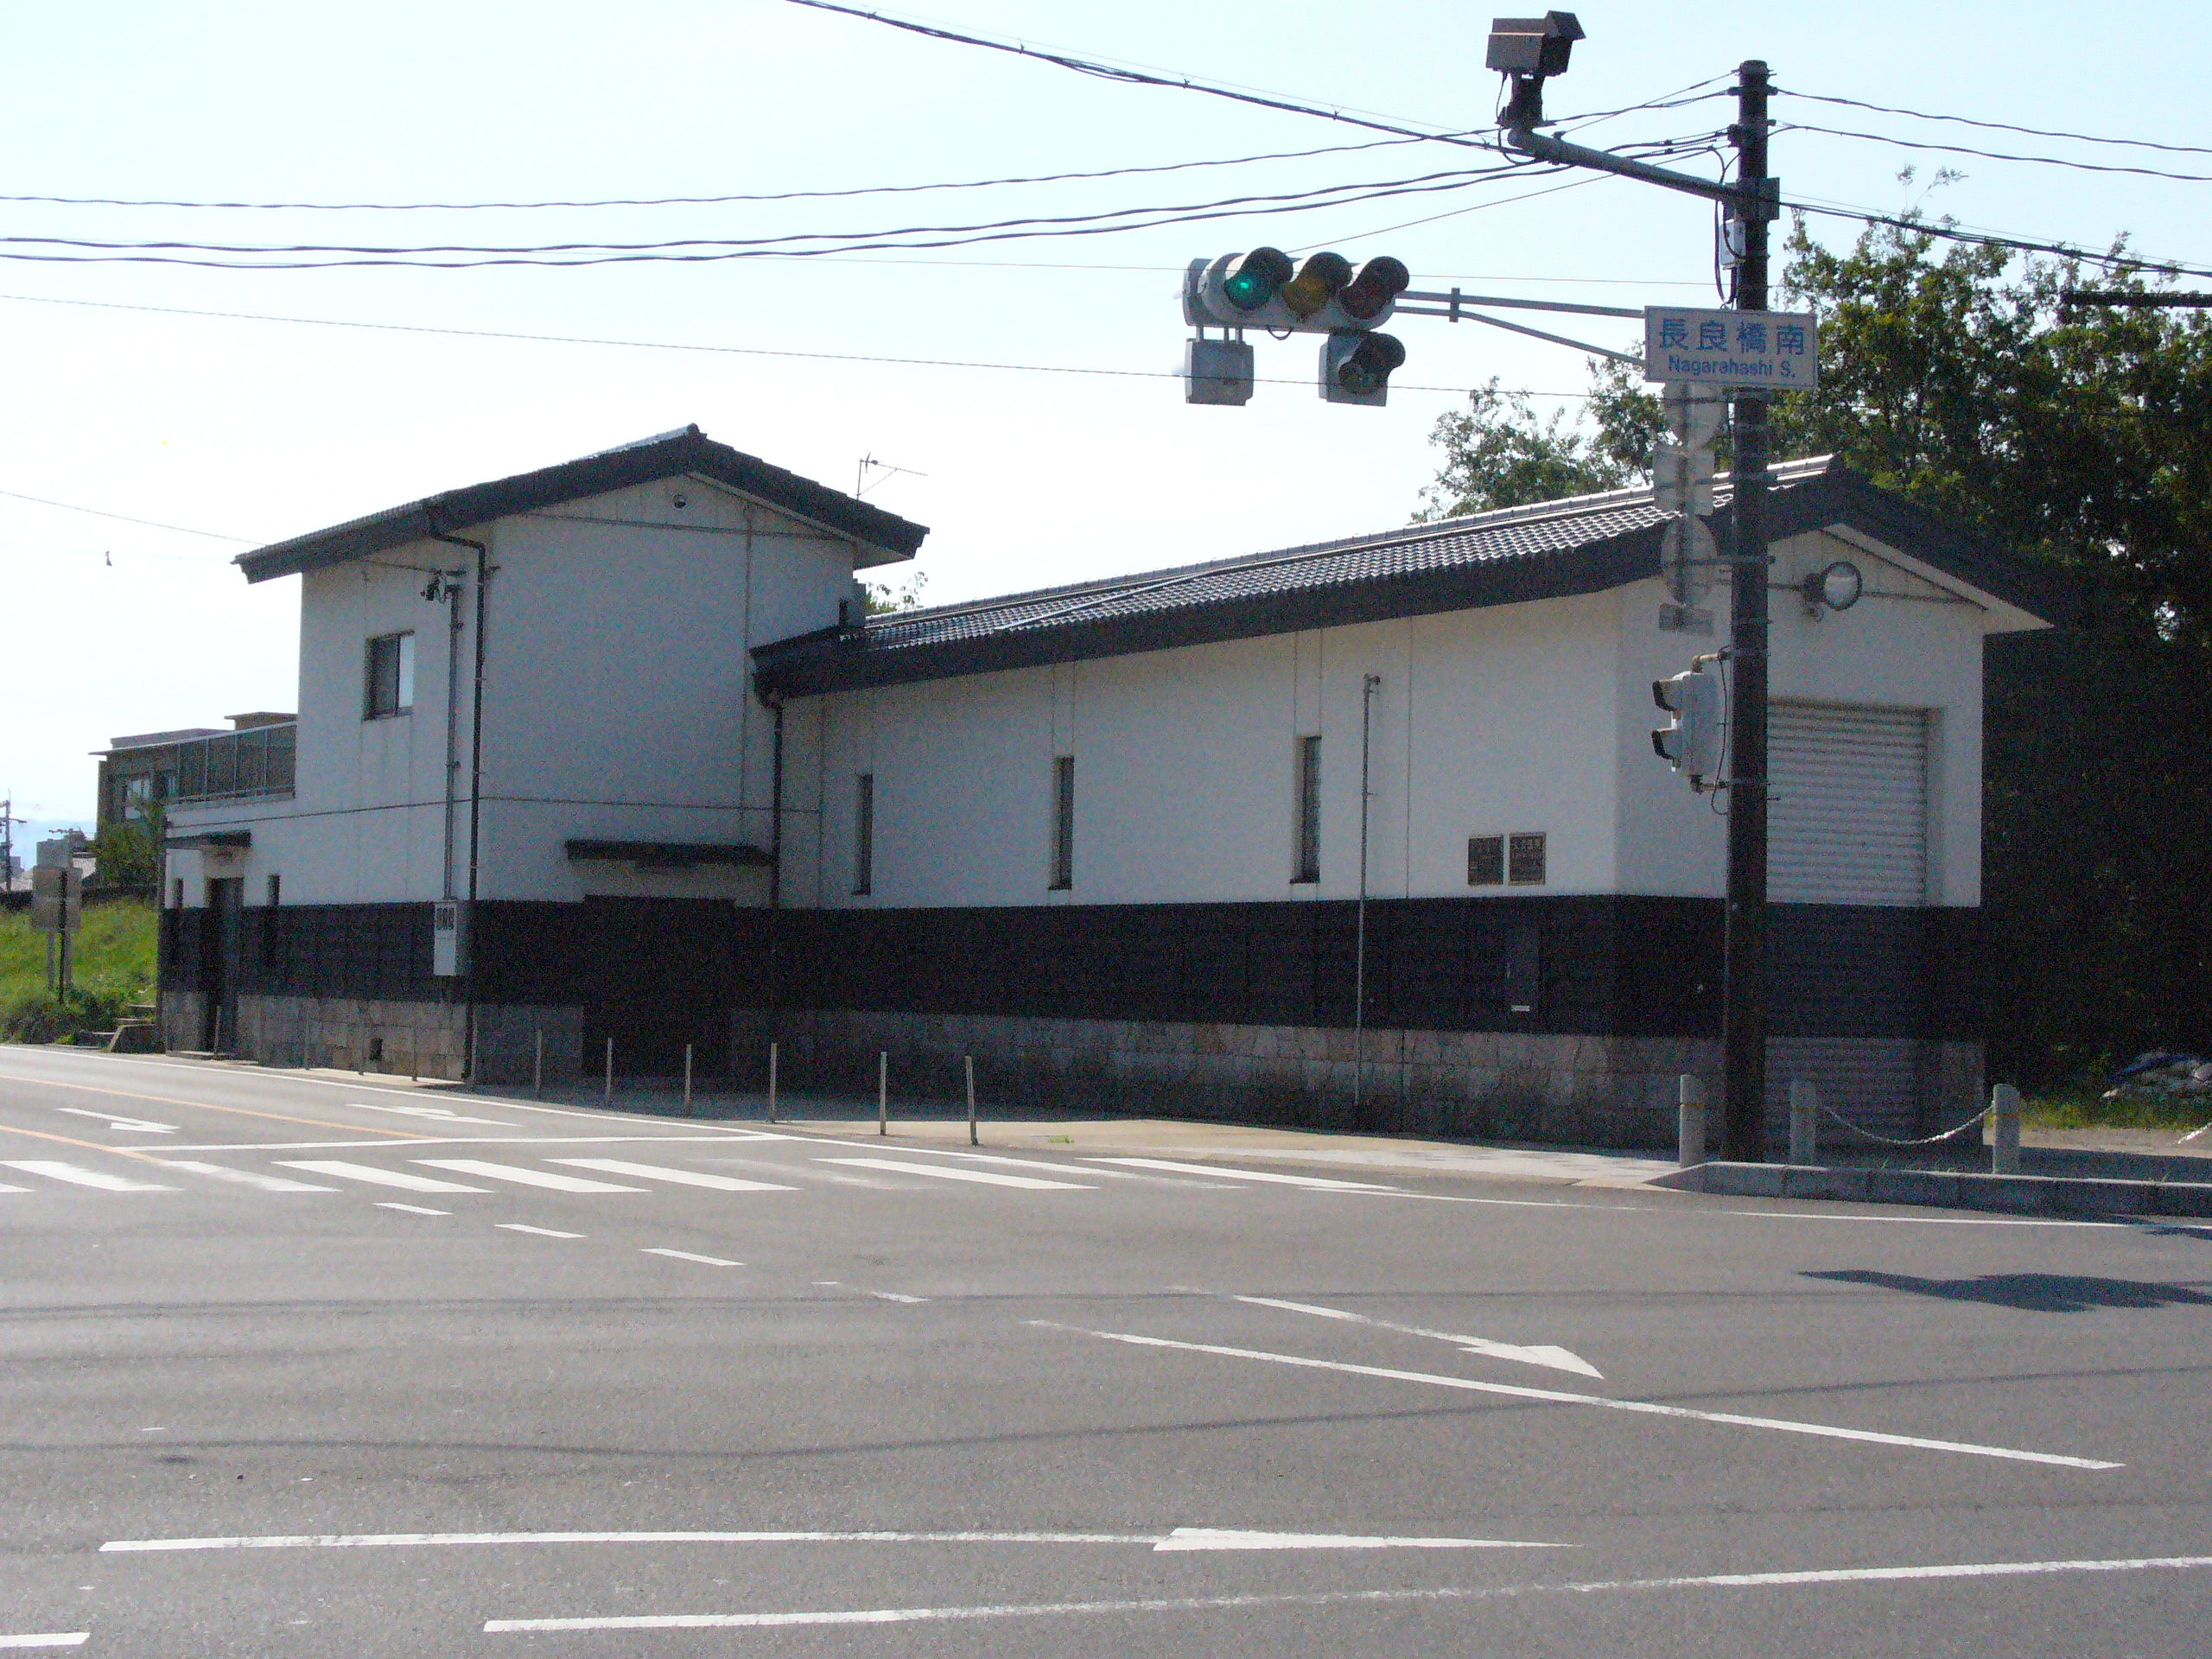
point(1583, 545)
point(686, 452)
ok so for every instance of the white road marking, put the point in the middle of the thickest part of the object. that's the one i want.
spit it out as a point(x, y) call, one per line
point(438, 1114)
point(522, 1177)
point(894, 1296)
point(542, 1232)
point(1559, 1359)
point(686, 1255)
point(686, 1177)
point(59, 1171)
point(5, 1188)
point(246, 1177)
point(345, 1172)
point(1558, 1397)
point(412, 1209)
point(940, 1173)
point(1180, 1540)
point(1338, 1598)
point(46, 1639)
point(133, 1125)
point(387, 1141)
point(1268, 1175)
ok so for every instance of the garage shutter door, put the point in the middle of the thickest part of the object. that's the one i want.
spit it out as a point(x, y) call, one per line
point(1848, 823)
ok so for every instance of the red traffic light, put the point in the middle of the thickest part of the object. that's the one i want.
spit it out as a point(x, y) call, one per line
point(1380, 281)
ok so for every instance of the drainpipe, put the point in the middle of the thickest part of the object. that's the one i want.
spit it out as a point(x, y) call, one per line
point(1359, 949)
point(475, 794)
point(775, 702)
point(452, 732)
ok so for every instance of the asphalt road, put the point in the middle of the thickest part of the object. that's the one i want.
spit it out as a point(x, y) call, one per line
point(303, 1366)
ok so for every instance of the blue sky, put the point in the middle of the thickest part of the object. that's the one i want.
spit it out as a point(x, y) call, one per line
point(128, 397)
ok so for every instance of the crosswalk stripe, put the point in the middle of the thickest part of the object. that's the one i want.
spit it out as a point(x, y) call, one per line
point(59, 1171)
point(938, 1172)
point(686, 1177)
point(1249, 1174)
point(378, 1177)
point(522, 1177)
point(246, 1177)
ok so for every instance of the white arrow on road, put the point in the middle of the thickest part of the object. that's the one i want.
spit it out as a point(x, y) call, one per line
point(1558, 1359)
point(135, 1125)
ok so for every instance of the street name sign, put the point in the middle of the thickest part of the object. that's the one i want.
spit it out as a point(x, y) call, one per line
point(1774, 349)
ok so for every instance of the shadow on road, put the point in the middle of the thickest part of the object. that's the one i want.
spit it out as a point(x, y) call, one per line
point(2042, 1292)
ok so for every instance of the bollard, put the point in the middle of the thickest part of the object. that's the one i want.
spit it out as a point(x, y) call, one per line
point(1689, 1122)
point(882, 1091)
point(968, 1061)
point(772, 1083)
point(2004, 1130)
point(610, 1071)
point(537, 1066)
point(1804, 1123)
point(687, 1079)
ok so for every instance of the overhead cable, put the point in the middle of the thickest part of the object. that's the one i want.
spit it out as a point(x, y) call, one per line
point(1996, 154)
point(1997, 126)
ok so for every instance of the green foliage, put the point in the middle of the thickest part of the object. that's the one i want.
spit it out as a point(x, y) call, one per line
point(1498, 453)
point(112, 967)
point(2085, 1109)
point(906, 596)
point(128, 851)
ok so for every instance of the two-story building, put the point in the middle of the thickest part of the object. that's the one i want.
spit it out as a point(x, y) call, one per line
point(611, 753)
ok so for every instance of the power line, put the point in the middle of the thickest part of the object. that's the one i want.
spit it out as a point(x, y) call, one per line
point(151, 524)
point(2022, 244)
point(1995, 155)
point(650, 345)
point(709, 201)
point(1999, 126)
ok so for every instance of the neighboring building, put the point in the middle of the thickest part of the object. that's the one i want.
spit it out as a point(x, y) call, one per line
point(1108, 838)
point(197, 763)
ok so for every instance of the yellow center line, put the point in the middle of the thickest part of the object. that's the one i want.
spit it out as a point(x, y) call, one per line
point(208, 1106)
point(89, 1145)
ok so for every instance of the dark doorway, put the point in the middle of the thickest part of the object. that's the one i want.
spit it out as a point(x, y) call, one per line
point(660, 978)
point(219, 947)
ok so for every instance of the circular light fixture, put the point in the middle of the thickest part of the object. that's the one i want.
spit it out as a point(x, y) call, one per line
point(1837, 586)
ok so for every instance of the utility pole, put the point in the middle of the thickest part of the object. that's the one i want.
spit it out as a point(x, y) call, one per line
point(1743, 1025)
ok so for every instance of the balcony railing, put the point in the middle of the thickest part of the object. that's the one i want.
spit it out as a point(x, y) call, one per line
point(236, 766)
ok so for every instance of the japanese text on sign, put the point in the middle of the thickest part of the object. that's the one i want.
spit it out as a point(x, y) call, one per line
point(1731, 348)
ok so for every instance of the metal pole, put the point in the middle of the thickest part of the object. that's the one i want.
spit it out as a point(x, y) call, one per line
point(883, 1091)
point(772, 1083)
point(1359, 945)
point(687, 1079)
point(969, 1061)
point(537, 1066)
point(610, 1071)
point(1689, 1123)
point(1742, 1029)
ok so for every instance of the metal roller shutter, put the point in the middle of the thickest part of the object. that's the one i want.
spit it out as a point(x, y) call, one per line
point(1848, 819)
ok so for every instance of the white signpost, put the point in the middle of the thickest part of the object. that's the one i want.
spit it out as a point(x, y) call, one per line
point(1775, 351)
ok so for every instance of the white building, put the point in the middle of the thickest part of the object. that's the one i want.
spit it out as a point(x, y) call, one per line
point(1108, 838)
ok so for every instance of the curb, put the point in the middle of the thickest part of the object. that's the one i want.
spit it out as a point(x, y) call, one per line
point(2024, 1195)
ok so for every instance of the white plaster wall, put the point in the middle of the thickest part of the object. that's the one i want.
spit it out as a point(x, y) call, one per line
point(1485, 721)
point(1922, 652)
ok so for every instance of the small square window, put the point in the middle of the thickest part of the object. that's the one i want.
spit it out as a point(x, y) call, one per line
point(1525, 861)
point(388, 676)
point(1485, 861)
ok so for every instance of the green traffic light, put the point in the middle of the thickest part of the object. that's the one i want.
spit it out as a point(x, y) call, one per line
point(1253, 278)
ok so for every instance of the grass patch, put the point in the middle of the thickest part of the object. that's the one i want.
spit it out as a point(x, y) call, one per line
point(111, 967)
point(2134, 1109)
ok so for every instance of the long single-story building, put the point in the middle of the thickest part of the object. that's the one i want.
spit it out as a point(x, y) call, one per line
point(1369, 831)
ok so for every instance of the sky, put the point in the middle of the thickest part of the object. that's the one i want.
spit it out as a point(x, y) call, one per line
point(1025, 388)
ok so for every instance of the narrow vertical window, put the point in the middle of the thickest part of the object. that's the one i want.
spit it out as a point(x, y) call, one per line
point(276, 889)
point(388, 675)
point(1309, 810)
point(1063, 820)
point(864, 833)
point(177, 893)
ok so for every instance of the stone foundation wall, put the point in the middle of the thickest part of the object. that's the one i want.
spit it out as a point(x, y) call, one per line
point(427, 1040)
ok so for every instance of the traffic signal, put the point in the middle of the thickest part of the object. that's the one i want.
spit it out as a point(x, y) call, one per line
point(1356, 366)
point(1692, 742)
point(1264, 288)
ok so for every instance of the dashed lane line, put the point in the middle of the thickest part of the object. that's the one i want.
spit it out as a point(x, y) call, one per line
point(410, 1209)
point(45, 1639)
point(687, 1256)
point(541, 1232)
point(1556, 1396)
point(55, 1171)
point(1263, 1599)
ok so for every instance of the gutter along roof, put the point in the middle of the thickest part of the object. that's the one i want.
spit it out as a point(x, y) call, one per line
point(1552, 549)
point(687, 453)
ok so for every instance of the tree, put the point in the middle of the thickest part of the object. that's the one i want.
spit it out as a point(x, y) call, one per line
point(127, 853)
point(2082, 443)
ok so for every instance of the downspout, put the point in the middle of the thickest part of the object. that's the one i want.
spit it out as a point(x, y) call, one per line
point(453, 733)
point(1359, 948)
point(775, 702)
point(475, 795)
